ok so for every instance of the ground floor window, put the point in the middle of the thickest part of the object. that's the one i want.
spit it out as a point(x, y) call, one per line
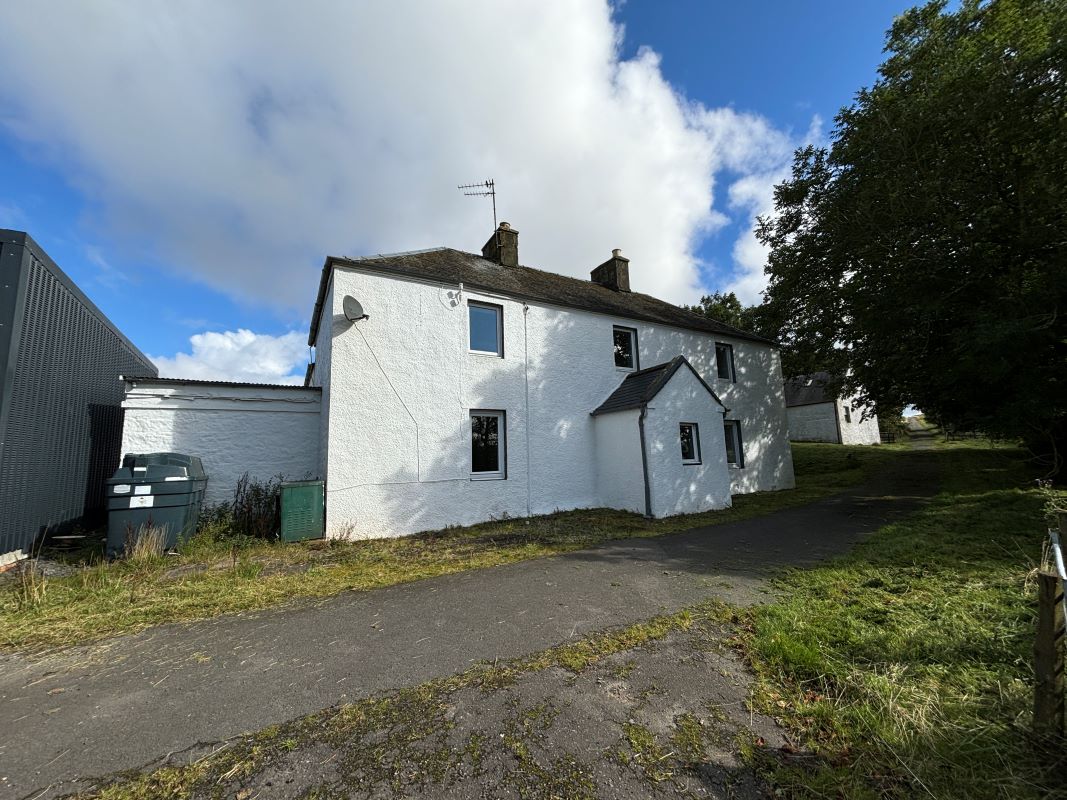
point(735, 454)
point(488, 445)
point(690, 438)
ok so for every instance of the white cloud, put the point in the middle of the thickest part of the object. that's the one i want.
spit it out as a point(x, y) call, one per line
point(107, 274)
point(242, 141)
point(240, 356)
point(753, 195)
point(11, 216)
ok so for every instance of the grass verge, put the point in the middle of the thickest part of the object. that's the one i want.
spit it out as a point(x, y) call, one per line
point(215, 576)
point(904, 668)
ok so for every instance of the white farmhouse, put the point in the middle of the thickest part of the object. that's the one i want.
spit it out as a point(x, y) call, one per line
point(816, 415)
point(478, 388)
point(475, 388)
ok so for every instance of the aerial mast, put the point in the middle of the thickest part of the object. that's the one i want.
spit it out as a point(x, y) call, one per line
point(483, 189)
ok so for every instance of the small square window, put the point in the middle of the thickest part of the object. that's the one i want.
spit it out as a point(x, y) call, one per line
point(486, 328)
point(735, 454)
point(724, 361)
point(488, 445)
point(625, 344)
point(690, 438)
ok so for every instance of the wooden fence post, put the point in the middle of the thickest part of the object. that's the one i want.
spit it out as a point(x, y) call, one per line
point(1048, 656)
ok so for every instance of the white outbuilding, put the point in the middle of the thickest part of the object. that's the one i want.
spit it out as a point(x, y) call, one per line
point(451, 388)
point(234, 428)
point(817, 415)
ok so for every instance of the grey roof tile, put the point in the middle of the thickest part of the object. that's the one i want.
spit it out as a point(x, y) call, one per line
point(638, 388)
point(525, 283)
point(808, 390)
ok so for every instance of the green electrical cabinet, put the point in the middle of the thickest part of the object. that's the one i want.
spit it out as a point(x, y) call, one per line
point(302, 510)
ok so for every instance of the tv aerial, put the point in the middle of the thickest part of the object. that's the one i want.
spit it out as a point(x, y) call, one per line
point(484, 189)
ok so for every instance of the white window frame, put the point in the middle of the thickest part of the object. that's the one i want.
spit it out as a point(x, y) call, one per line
point(633, 347)
point(696, 442)
point(732, 430)
point(499, 311)
point(730, 354)
point(502, 445)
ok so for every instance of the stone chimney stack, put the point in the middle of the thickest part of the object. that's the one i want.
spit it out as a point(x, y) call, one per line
point(614, 273)
point(503, 246)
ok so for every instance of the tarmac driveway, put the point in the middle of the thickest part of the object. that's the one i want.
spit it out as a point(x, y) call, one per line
point(123, 703)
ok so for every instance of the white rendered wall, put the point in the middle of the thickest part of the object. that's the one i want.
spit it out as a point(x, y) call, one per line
point(620, 472)
point(321, 377)
point(679, 488)
point(401, 385)
point(813, 423)
point(264, 431)
point(859, 430)
point(826, 422)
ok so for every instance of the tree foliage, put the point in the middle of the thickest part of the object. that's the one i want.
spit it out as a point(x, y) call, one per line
point(921, 254)
point(723, 307)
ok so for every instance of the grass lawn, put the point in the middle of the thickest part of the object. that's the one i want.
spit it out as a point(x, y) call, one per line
point(904, 668)
point(213, 576)
point(900, 670)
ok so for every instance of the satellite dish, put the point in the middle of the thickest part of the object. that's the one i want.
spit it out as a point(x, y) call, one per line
point(352, 308)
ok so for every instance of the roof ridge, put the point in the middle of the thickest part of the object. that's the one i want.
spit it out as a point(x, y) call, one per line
point(683, 309)
point(397, 254)
point(451, 265)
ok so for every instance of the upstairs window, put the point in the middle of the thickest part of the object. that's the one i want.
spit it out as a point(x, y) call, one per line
point(625, 343)
point(848, 414)
point(488, 450)
point(724, 361)
point(735, 454)
point(690, 438)
point(486, 328)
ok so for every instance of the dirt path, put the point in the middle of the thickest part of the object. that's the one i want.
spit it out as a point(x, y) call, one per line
point(125, 703)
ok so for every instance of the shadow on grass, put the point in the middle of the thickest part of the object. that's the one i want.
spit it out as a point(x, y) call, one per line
point(904, 668)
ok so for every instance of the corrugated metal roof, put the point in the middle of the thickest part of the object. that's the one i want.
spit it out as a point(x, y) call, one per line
point(450, 266)
point(638, 388)
point(197, 381)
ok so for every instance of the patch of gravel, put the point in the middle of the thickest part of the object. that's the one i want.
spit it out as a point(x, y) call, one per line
point(46, 567)
point(667, 719)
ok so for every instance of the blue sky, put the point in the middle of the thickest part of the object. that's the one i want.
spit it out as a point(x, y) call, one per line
point(191, 182)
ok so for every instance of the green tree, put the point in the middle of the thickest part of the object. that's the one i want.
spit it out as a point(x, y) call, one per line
point(723, 307)
point(727, 307)
point(921, 254)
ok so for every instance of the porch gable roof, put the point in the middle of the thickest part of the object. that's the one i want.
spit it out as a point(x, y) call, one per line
point(638, 388)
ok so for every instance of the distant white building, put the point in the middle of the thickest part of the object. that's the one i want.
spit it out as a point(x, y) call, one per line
point(476, 388)
point(817, 416)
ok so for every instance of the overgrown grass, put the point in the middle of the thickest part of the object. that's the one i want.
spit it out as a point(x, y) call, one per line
point(217, 573)
point(904, 667)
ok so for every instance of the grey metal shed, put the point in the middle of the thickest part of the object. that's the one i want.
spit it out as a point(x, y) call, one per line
point(60, 402)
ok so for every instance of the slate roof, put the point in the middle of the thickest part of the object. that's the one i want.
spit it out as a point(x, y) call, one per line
point(808, 390)
point(151, 379)
point(525, 283)
point(638, 388)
